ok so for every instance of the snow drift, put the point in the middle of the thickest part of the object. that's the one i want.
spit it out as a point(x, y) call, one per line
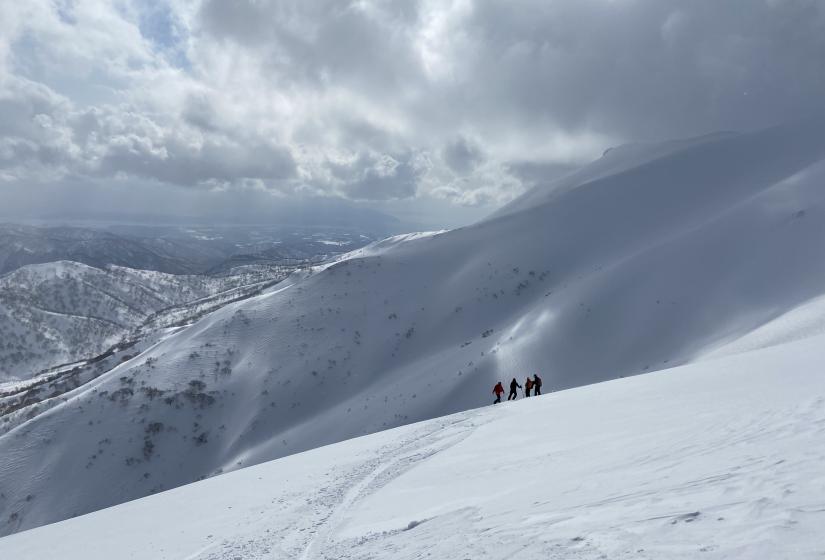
point(651, 257)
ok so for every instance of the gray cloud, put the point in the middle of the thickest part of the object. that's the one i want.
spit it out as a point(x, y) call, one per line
point(35, 138)
point(446, 103)
point(214, 161)
point(324, 43)
point(462, 156)
point(652, 68)
point(378, 176)
point(537, 172)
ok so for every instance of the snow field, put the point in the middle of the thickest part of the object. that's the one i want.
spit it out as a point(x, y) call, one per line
point(714, 460)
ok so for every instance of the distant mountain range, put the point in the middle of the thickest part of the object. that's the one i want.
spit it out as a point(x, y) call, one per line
point(175, 249)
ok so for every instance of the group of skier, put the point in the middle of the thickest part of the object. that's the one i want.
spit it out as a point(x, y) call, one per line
point(529, 385)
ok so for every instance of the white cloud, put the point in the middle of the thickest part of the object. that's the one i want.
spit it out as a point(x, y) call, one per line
point(465, 102)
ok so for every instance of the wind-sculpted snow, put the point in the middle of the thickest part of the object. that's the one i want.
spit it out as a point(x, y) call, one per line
point(718, 460)
point(652, 258)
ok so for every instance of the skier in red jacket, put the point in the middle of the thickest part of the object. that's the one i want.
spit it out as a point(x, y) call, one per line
point(498, 390)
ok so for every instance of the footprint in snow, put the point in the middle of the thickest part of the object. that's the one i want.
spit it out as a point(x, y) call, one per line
point(686, 517)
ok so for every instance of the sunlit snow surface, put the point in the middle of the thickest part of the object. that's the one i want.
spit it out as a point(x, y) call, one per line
point(721, 459)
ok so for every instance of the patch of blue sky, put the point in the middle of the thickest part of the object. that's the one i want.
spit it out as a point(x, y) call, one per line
point(161, 26)
point(65, 11)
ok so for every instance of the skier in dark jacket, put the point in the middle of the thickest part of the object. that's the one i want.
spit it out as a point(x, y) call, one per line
point(498, 390)
point(513, 394)
point(537, 385)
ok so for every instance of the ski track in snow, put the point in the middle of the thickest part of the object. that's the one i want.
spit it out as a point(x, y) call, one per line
point(310, 535)
point(392, 463)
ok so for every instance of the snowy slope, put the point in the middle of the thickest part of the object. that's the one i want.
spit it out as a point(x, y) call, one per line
point(63, 311)
point(799, 323)
point(653, 257)
point(717, 460)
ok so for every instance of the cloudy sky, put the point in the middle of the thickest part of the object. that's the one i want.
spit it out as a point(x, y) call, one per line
point(436, 111)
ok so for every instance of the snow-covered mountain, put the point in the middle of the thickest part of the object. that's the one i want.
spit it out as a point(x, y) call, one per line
point(718, 460)
point(651, 257)
point(61, 312)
